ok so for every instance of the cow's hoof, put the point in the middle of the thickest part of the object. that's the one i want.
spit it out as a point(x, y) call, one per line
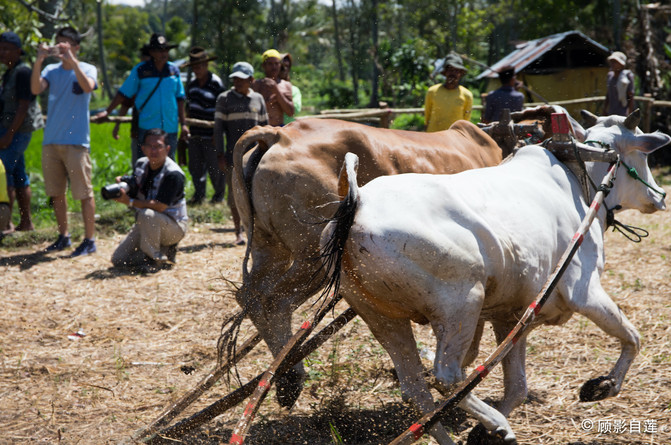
point(597, 389)
point(289, 387)
point(480, 436)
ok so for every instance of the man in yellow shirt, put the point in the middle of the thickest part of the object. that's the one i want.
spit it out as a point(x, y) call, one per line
point(448, 102)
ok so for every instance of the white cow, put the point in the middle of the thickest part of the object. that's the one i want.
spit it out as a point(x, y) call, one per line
point(479, 245)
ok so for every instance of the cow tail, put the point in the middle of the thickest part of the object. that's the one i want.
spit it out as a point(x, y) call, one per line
point(263, 137)
point(337, 231)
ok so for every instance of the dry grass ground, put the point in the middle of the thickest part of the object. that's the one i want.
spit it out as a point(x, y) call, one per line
point(142, 332)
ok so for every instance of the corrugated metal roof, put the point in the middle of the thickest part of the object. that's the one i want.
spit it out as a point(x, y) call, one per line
point(528, 52)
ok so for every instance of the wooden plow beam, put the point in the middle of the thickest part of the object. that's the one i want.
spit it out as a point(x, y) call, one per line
point(416, 431)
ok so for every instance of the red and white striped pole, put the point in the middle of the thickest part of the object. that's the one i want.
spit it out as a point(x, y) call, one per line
point(241, 429)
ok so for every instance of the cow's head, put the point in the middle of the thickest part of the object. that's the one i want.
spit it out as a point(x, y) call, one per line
point(635, 186)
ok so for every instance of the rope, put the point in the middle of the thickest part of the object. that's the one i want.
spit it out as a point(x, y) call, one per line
point(632, 233)
point(634, 174)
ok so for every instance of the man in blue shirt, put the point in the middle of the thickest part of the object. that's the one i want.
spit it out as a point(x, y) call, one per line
point(505, 97)
point(159, 94)
point(66, 144)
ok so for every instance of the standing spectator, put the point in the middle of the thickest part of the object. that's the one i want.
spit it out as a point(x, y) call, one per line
point(275, 91)
point(20, 115)
point(126, 105)
point(619, 87)
point(238, 110)
point(201, 99)
point(5, 212)
point(285, 74)
point(504, 97)
point(157, 196)
point(158, 92)
point(448, 102)
point(66, 144)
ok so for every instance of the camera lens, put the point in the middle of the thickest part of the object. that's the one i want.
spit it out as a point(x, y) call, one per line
point(113, 191)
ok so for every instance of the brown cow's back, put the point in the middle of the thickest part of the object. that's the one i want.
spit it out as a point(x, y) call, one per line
point(298, 175)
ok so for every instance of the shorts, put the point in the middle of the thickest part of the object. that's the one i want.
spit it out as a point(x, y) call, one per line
point(63, 162)
point(14, 160)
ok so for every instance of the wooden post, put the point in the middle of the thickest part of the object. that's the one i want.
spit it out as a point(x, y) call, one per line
point(385, 118)
point(647, 112)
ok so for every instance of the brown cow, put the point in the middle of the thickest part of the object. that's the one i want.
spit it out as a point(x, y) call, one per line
point(286, 188)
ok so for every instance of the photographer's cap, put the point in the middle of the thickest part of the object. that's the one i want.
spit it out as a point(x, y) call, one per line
point(242, 70)
point(13, 38)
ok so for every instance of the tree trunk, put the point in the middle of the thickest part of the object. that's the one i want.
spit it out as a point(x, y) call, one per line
point(353, 41)
point(101, 49)
point(336, 33)
point(194, 24)
point(374, 97)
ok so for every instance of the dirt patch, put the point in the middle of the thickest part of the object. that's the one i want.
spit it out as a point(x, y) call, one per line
point(144, 340)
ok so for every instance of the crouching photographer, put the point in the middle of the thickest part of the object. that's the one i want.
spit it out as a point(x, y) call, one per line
point(156, 192)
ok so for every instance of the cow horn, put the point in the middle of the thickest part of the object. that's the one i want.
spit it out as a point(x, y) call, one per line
point(589, 118)
point(632, 121)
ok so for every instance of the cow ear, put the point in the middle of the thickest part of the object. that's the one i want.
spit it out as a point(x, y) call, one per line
point(589, 118)
point(632, 121)
point(650, 142)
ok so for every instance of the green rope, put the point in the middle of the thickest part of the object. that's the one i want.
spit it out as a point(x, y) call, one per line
point(632, 171)
point(602, 144)
point(634, 174)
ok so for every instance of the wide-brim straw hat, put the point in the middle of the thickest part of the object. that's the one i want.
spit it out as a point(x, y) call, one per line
point(198, 55)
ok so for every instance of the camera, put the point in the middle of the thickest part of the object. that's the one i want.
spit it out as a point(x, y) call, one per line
point(113, 191)
point(53, 51)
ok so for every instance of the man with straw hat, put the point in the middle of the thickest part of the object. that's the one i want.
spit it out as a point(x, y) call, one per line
point(201, 100)
point(448, 102)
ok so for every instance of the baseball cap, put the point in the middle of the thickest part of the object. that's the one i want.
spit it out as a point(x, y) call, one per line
point(243, 70)
point(13, 38)
point(271, 53)
point(619, 57)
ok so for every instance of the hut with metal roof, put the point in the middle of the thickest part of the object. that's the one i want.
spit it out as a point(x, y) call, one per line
point(562, 66)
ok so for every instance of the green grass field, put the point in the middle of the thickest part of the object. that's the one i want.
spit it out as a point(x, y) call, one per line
point(110, 158)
